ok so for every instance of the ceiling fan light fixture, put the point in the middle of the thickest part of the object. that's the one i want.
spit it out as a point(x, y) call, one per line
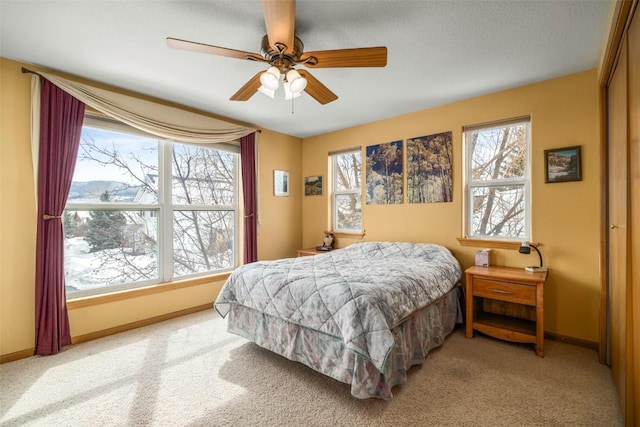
point(297, 83)
point(271, 93)
point(270, 79)
point(288, 93)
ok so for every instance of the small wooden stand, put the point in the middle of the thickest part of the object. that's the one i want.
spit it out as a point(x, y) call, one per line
point(506, 303)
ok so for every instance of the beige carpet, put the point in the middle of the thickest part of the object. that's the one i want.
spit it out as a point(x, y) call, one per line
point(190, 372)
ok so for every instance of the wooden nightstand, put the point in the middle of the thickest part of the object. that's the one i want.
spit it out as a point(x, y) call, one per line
point(310, 251)
point(506, 303)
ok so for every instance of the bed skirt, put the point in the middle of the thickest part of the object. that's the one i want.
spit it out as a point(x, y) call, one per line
point(414, 337)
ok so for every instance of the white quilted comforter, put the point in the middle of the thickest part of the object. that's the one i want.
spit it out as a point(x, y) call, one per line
point(356, 294)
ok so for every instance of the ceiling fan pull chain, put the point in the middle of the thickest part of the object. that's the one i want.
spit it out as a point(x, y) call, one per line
point(292, 105)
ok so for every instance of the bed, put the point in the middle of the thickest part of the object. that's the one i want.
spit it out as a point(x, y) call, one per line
point(362, 315)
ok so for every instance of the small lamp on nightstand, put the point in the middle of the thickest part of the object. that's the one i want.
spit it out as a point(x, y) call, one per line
point(525, 248)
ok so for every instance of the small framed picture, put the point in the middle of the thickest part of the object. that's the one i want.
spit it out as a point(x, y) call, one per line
point(280, 183)
point(313, 185)
point(562, 165)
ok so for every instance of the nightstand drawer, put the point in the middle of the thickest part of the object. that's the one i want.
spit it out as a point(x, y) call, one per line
point(504, 291)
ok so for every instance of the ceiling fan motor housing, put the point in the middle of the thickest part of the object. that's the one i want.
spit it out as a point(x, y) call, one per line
point(278, 58)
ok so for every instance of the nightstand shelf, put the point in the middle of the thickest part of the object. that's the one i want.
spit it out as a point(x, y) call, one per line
point(505, 327)
point(506, 303)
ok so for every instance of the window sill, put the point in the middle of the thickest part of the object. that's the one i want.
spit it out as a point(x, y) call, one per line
point(492, 244)
point(140, 292)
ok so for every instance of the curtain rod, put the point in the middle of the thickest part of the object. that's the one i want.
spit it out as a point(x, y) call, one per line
point(26, 70)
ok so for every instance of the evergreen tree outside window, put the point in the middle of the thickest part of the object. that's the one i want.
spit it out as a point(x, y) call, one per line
point(497, 178)
point(105, 228)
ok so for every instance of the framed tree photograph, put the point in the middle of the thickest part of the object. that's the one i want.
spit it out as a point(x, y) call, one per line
point(280, 183)
point(562, 165)
point(313, 185)
point(384, 173)
point(430, 169)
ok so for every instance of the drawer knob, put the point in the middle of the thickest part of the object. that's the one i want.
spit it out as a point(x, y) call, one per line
point(500, 291)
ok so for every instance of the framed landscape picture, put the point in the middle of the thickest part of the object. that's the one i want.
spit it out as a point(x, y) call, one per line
point(313, 185)
point(562, 165)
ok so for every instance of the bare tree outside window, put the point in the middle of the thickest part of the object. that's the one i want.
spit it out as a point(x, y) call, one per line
point(498, 180)
point(130, 209)
point(202, 239)
point(347, 187)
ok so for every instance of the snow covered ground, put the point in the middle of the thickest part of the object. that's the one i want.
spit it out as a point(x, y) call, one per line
point(90, 270)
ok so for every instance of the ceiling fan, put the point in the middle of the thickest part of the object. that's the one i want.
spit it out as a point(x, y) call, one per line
point(283, 50)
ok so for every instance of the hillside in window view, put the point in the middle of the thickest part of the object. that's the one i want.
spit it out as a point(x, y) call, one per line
point(88, 190)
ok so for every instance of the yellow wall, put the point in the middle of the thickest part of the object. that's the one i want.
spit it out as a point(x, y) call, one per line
point(17, 213)
point(279, 218)
point(279, 231)
point(566, 216)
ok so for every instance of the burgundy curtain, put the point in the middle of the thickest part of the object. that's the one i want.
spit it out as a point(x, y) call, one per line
point(248, 161)
point(61, 117)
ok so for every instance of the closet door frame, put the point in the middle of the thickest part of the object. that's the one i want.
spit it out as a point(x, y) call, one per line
point(619, 321)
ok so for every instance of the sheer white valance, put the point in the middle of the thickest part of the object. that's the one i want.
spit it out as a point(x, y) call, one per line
point(157, 119)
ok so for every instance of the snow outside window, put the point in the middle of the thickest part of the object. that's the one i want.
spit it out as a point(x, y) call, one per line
point(497, 180)
point(347, 191)
point(143, 211)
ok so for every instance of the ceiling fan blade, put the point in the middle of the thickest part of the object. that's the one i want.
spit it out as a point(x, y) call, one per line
point(213, 50)
point(248, 90)
point(358, 57)
point(280, 20)
point(317, 90)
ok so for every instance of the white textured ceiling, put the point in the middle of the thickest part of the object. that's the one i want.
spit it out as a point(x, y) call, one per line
point(438, 51)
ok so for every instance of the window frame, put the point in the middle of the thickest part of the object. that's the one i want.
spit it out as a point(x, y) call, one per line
point(164, 209)
point(336, 192)
point(523, 182)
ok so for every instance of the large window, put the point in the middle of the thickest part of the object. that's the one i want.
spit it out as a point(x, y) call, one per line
point(143, 211)
point(498, 180)
point(347, 191)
